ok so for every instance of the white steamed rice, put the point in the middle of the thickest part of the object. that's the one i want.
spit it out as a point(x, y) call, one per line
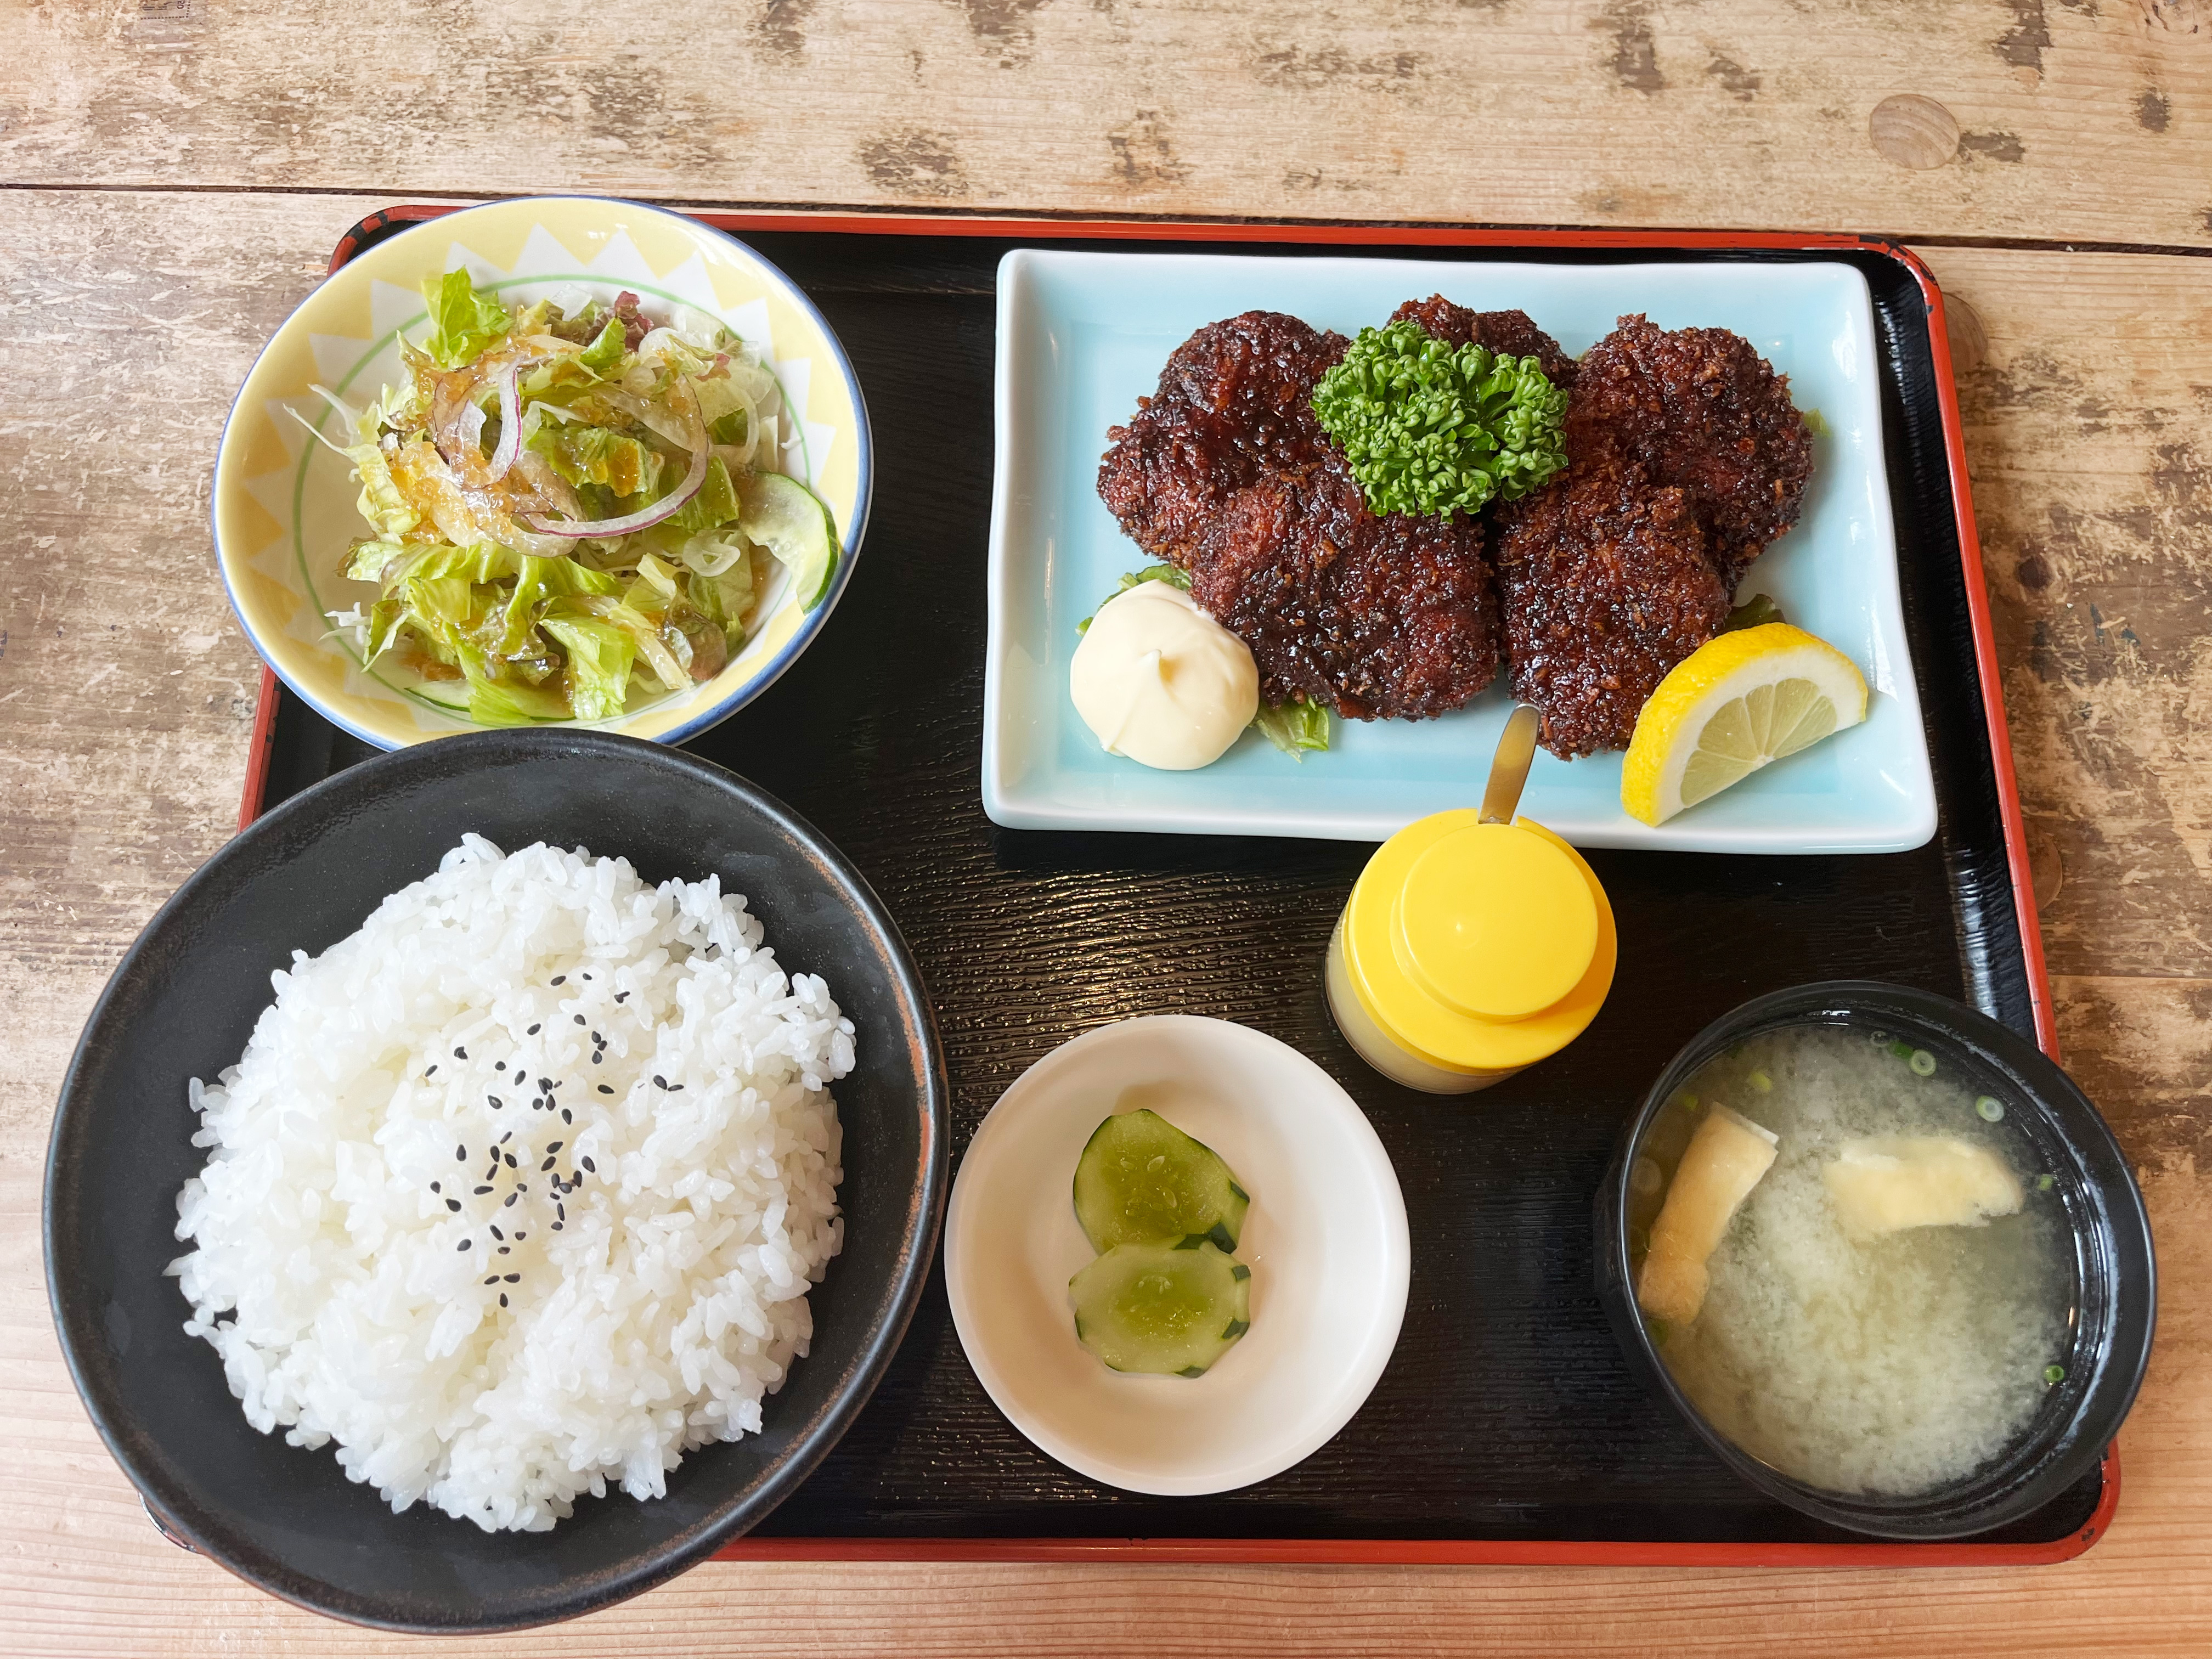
point(349, 1267)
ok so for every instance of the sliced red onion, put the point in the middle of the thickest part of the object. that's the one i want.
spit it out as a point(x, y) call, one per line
point(695, 440)
point(509, 380)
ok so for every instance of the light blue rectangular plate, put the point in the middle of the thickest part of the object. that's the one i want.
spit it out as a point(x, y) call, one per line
point(1082, 335)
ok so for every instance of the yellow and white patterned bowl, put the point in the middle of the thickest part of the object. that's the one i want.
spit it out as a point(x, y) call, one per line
point(284, 505)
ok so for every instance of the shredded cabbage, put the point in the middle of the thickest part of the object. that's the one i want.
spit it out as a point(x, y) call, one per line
point(528, 625)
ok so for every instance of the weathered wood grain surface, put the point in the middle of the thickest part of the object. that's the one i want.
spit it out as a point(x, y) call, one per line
point(2060, 119)
point(129, 315)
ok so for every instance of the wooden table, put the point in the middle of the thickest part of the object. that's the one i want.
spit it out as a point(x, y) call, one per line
point(172, 174)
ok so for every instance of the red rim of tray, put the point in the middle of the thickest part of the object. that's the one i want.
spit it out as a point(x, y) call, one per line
point(1432, 1551)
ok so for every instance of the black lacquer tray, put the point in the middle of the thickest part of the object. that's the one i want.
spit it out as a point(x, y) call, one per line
point(1507, 1427)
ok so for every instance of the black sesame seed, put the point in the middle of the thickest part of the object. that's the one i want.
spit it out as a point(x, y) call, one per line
point(589, 1166)
point(546, 1165)
point(621, 996)
point(560, 979)
point(659, 1081)
point(533, 1031)
point(460, 1154)
point(581, 1020)
point(604, 1089)
point(545, 1083)
point(496, 1233)
point(480, 1191)
point(460, 1054)
point(556, 1147)
point(504, 1139)
point(556, 1226)
point(597, 1056)
point(515, 1279)
point(565, 1115)
point(466, 1243)
point(433, 1071)
point(496, 1103)
point(502, 1299)
point(511, 1197)
point(518, 1237)
point(499, 1066)
point(503, 1250)
point(435, 1188)
point(454, 1204)
point(511, 1164)
point(674, 1088)
point(492, 1280)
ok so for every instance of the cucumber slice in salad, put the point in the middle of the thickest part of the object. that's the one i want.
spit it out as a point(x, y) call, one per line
point(790, 520)
point(1142, 1180)
point(1164, 1309)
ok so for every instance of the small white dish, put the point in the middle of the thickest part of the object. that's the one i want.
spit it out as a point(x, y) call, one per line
point(1326, 1240)
point(1082, 335)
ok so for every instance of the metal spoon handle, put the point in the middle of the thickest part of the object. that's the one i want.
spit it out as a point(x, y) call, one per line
point(1509, 771)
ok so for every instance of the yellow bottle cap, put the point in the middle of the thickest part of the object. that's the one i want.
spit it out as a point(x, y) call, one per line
point(1494, 921)
point(1478, 946)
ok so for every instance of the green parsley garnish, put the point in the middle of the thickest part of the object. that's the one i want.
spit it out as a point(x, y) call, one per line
point(1430, 429)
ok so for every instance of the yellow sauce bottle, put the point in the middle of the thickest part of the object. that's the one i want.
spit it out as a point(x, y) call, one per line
point(1468, 950)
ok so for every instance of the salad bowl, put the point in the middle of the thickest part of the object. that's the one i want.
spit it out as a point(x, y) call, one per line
point(286, 507)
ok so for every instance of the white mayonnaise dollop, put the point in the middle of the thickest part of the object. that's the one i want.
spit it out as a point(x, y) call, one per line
point(1160, 680)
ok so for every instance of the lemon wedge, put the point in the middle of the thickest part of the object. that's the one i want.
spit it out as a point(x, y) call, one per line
point(1732, 706)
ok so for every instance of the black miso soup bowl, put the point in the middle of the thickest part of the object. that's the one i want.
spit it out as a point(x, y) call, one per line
point(182, 1005)
point(2116, 1277)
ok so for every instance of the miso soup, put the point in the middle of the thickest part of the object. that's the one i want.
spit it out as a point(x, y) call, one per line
point(1893, 1295)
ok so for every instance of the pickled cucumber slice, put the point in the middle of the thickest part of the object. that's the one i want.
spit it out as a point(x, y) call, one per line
point(1142, 1180)
point(1165, 1308)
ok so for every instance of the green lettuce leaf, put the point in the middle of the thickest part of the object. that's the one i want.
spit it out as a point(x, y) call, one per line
point(600, 656)
point(1294, 728)
point(605, 355)
point(730, 429)
point(1173, 575)
point(595, 455)
point(385, 617)
point(538, 581)
point(381, 502)
point(368, 560)
point(656, 663)
point(715, 504)
point(499, 701)
point(463, 324)
point(1756, 612)
point(443, 610)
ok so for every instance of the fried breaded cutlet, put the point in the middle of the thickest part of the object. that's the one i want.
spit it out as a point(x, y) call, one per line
point(1508, 333)
point(1225, 472)
point(1685, 458)
point(1698, 409)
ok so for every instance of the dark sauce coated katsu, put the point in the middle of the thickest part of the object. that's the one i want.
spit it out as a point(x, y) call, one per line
point(1685, 457)
point(1225, 472)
